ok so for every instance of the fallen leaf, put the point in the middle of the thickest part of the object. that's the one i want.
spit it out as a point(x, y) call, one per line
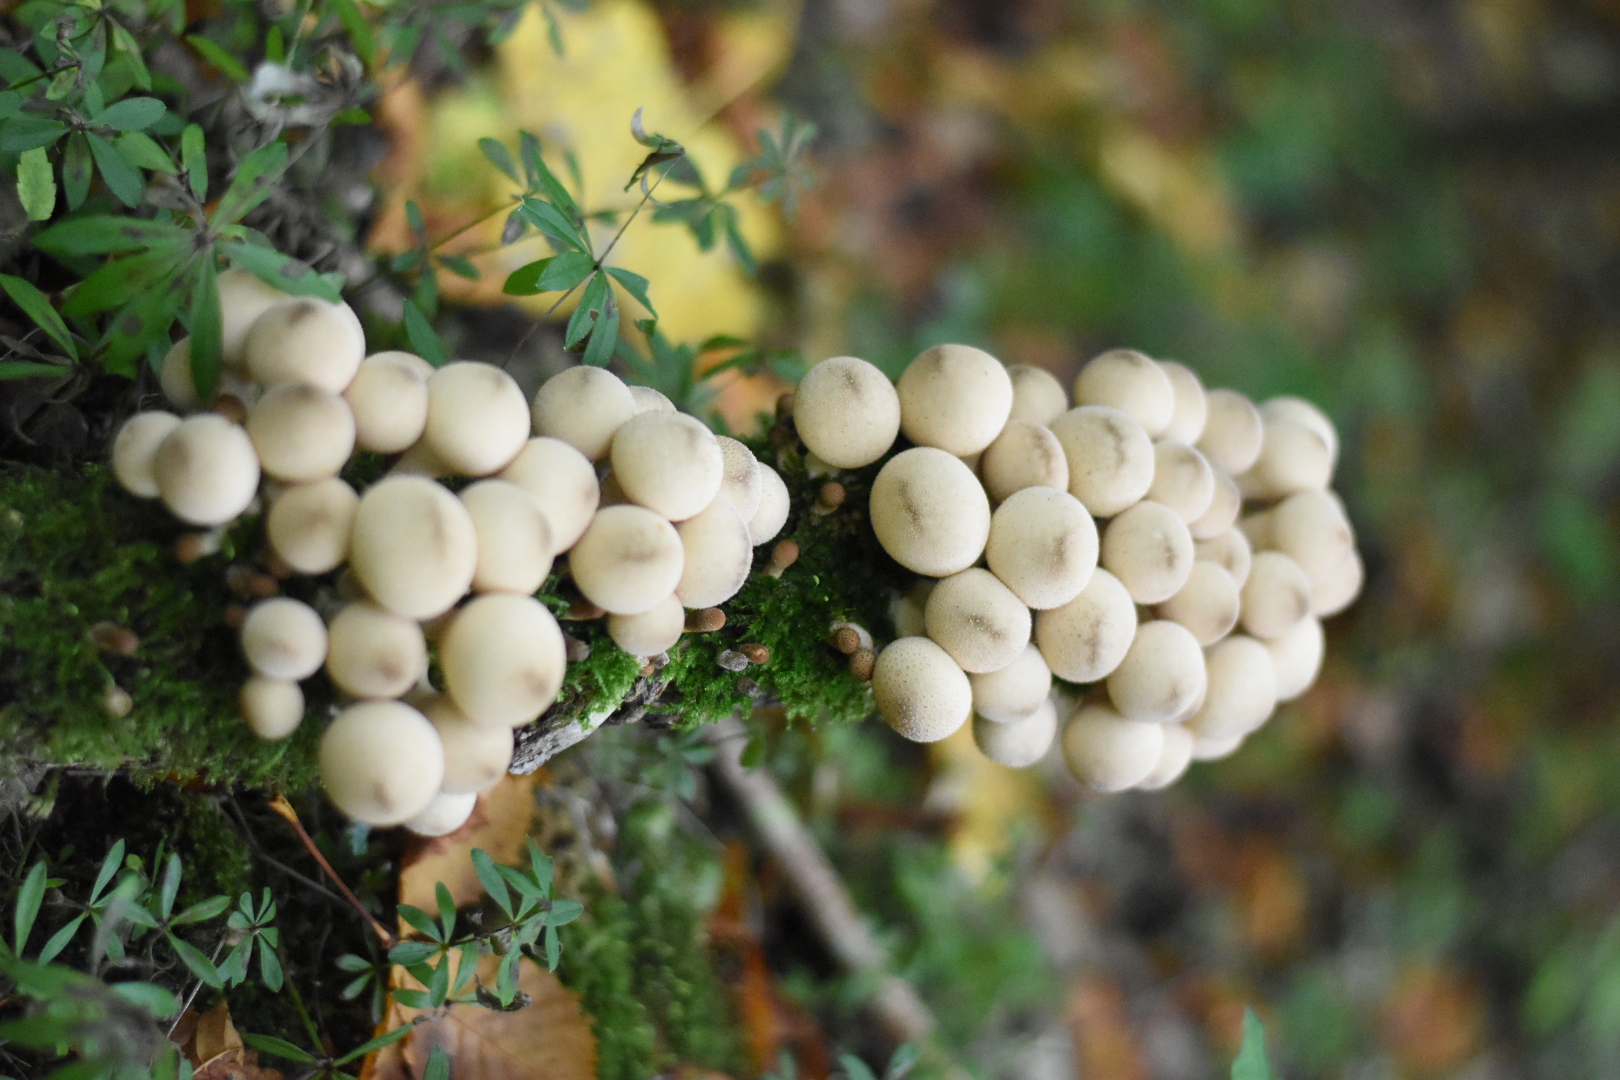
point(1105, 1043)
point(1433, 1020)
point(210, 1042)
point(499, 824)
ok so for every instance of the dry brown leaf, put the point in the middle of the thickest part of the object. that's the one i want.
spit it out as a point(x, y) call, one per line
point(1105, 1043)
point(210, 1042)
point(1433, 1020)
point(499, 824)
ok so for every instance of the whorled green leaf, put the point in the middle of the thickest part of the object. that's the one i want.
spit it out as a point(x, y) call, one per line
point(500, 157)
point(154, 999)
point(77, 169)
point(122, 280)
point(36, 184)
point(110, 234)
point(635, 285)
point(592, 308)
point(26, 132)
point(255, 178)
point(59, 940)
point(196, 961)
point(359, 31)
point(29, 897)
point(219, 57)
point(387, 1038)
point(122, 180)
point(422, 336)
point(276, 269)
point(281, 1048)
point(207, 329)
point(194, 160)
point(37, 307)
point(143, 152)
point(1251, 1062)
point(130, 114)
point(556, 274)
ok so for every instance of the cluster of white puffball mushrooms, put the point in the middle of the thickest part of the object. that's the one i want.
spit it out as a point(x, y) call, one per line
point(1175, 547)
point(670, 524)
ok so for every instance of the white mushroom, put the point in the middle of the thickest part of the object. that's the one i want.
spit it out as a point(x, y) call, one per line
point(920, 691)
point(1182, 480)
point(1107, 752)
point(649, 400)
point(1019, 743)
point(907, 611)
point(929, 512)
point(1013, 692)
point(651, 632)
point(1162, 674)
point(1224, 506)
point(373, 653)
point(301, 432)
point(1299, 411)
point(1037, 395)
point(1173, 759)
point(503, 659)
point(1293, 458)
point(1085, 639)
point(668, 462)
point(562, 481)
point(271, 708)
point(741, 483)
point(305, 339)
point(1297, 657)
point(444, 815)
point(978, 620)
point(389, 399)
point(174, 378)
point(774, 506)
point(477, 418)
point(1110, 458)
point(1190, 410)
point(135, 448)
point(1213, 749)
point(284, 638)
point(243, 297)
point(953, 397)
point(846, 411)
point(309, 525)
point(1276, 595)
point(1150, 550)
point(1311, 529)
point(1131, 382)
point(584, 407)
point(1232, 432)
point(1043, 546)
point(1339, 588)
point(1207, 605)
point(476, 755)
point(414, 548)
point(514, 537)
point(628, 561)
point(206, 470)
point(1231, 550)
point(1242, 689)
point(1024, 455)
point(717, 556)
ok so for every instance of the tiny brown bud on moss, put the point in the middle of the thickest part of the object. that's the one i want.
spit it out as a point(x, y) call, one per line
point(830, 497)
point(756, 653)
point(116, 701)
point(861, 663)
point(110, 637)
point(846, 639)
point(194, 545)
point(731, 660)
point(231, 408)
point(263, 586)
point(784, 406)
point(747, 686)
point(783, 555)
point(582, 610)
point(647, 670)
point(277, 567)
point(705, 620)
point(577, 650)
point(235, 616)
point(781, 436)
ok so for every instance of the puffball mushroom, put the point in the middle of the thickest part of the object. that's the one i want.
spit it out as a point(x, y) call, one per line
point(243, 297)
point(476, 755)
point(1207, 605)
point(305, 339)
point(846, 411)
point(978, 620)
point(1132, 382)
point(1182, 480)
point(503, 659)
point(1296, 655)
point(135, 448)
point(381, 762)
point(1310, 528)
point(301, 432)
point(929, 512)
point(920, 691)
point(584, 407)
point(717, 555)
point(174, 378)
point(1299, 411)
point(514, 537)
point(668, 462)
point(1038, 397)
point(1107, 752)
point(1190, 410)
point(1275, 597)
point(562, 481)
point(628, 561)
point(414, 547)
point(1110, 458)
point(1043, 546)
point(1024, 455)
point(374, 653)
point(1174, 758)
point(206, 470)
point(1162, 675)
point(271, 708)
point(1084, 640)
point(1225, 503)
point(1230, 550)
point(649, 400)
point(1150, 550)
point(1012, 692)
point(651, 632)
point(1335, 591)
point(1213, 749)
point(1242, 689)
point(774, 506)
point(444, 815)
point(309, 525)
point(1232, 432)
point(1019, 743)
point(389, 399)
point(1293, 458)
point(741, 483)
point(953, 397)
point(477, 418)
point(284, 639)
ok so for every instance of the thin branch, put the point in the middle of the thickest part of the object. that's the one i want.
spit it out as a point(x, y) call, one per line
point(281, 806)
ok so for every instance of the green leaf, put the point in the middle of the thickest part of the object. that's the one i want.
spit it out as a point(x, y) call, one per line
point(281, 1048)
point(592, 307)
point(109, 866)
point(154, 999)
point(59, 940)
point(447, 910)
point(438, 1065)
point(234, 969)
point(753, 752)
point(439, 986)
point(738, 245)
point(29, 897)
point(140, 326)
point(541, 867)
point(1251, 1062)
point(202, 911)
point(559, 273)
point(131, 114)
point(269, 967)
point(193, 958)
point(255, 178)
point(28, 369)
point(26, 132)
point(195, 160)
point(214, 54)
point(359, 31)
point(207, 329)
point(485, 868)
point(122, 280)
point(506, 977)
point(170, 887)
point(387, 1038)
point(419, 921)
point(553, 948)
point(105, 235)
point(275, 268)
point(126, 44)
point(422, 337)
point(37, 307)
point(77, 169)
point(635, 285)
point(121, 180)
point(554, 225)
point(460, 267)
point(855, 1068)
point(901, 1061)
point(605, 338)
point(143, 152)
point(36, 184)
point(500, 157)
point(564, 912)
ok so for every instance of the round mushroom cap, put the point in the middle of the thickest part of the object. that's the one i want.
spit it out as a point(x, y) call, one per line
point(1299, 411)
point(717, 555)
point(1207, 605)
point(978, 620)
point(1110, 458)
point(1037, 395)
point(741, 483)
point(1024, 455)
point(1173, 759)
point(652, 632)
point(668, 462)
point(389, 399)
point(920, 691)
point(1043, 546)
point(907, 611)
point(174, 378)
point(1162, 675)
point(476, 755)
point(1297, 656)
point(373, 653)
point(1230, 550)
point(1242, 689)
point(1085, 639)
point(414, 548)
point(477, 418)
point(301, 432)
point(1182, 480)
point(628, 561)
point(1131, 382)
point(271, 708)
point(206, 470)
point(135, 448)
point(1339, 589)
point(444, 815)
point(1190, 410)
point(1225, 503)
point(305, 339)
point(1232, 432)
point(1019, 743)
point(584, 407)
point(649, 400)
point(514, 537)
point(953, 397)
point(846, 411)
point(774, 506)
point(243, 297)
point(929, 512)
point(309, 525)
point(1205, 749)
point(1107, 752)
point(562, 481)
point(1293, 458)
point(1276, 595)
point(1311, 529)
point(503, 659)
point(1013, 692)
point(1150, 550)
point(284, 639)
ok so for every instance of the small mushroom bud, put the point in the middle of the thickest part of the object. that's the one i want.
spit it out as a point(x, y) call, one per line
point(929, 512)
point(1311, 529)
point(1188, 414)
point(206, 470)
point(920, 691)
point(582, 610)
point(1242, 689)
point(503, 659)
point(135, 450)
point(1131, 382)
point(862, 663)
point(846, 637)
point(756, 653)
point(1293, 458)
point(562, 481)
point(1173, 759)
point(284, 639)
point(978, 620)
point(1276, 596)
point(1085, 639)
point(651, 632)
point(717, 556)
point(830, 497)
point(243, 297)
point(584, 407)
point(846, 411)
point(1110, 458)
point(629, 559)
point(1225, 504)
point(477, 418)
point(444, 815)
point(953, 397)
point(301, 432)
point(774, 505)
point(514, 537)
point(649, 400)
point(308, 340)
point(373, 653)
point(1024, 455)
point(668, 462)
point(309, 526)
point(1038, 397)
point(1232, 432)
point(705, 620)
point(174, 378)
point(1043, 546)
point(1107, 752)
point(389, 399)
point(414, 548)
point(271, 708)
point(1015, 691)
point(1296, 655)
point(1212, 749)
point(783, 555)
point(1018, 743)
point(1161, 676)
point(1150, 550)
point(110, 637)
point(1339, 588)
point(1299, 411)
point(1207, 605)
point(1230, 550)
point(476, 755)
point(1182, 480)
point(741, 483)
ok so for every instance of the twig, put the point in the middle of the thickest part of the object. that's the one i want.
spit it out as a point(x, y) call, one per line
point(281, 806)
